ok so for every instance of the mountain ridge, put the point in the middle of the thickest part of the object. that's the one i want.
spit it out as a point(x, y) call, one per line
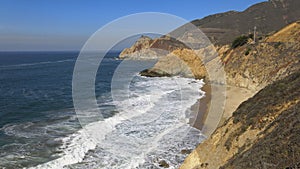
point(268, 16)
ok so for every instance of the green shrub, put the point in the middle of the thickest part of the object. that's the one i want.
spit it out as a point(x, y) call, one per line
point(251, 36)
point(239, 41)
point(277, 45)
point(247, 51)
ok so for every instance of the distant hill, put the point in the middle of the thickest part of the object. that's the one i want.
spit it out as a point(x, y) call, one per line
point(267, 16)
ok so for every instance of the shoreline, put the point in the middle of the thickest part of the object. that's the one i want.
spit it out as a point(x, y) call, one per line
point(200, 108)
point(234, 97)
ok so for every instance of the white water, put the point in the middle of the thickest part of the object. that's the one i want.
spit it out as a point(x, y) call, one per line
point(151, 126)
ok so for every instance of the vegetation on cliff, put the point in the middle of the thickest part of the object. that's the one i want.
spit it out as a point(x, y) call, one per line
point(239, 41)
point(248, 65)
point(264, 132)
point(275, 112)
point(268, 16)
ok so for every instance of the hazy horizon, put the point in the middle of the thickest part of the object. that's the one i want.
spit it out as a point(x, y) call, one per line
point(66, 26)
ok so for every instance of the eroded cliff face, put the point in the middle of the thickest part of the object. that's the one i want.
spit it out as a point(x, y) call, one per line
point(264, 132)
point(251, 66)
point(146, 48)
point(181, 62)
point(254, 66)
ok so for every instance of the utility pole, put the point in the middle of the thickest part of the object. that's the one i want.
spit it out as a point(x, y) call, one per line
point(254, 34)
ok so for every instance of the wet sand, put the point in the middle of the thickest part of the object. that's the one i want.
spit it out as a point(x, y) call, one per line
point(200, 108)
point(234, 97)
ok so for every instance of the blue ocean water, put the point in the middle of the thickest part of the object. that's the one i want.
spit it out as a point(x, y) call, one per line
point(39, 127)
point(36, 90)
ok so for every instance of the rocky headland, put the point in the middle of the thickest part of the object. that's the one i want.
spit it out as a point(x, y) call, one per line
point(146, 48)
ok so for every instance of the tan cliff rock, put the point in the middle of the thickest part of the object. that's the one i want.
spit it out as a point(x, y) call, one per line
point(181, 62)
point(251, 66)
point(289, 34)
point(254, 66)
point(264, 132)
point(146, 48)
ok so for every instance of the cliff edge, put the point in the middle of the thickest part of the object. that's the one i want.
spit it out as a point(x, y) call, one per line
point(249, 65)
point(146, 48)
point(264, 132)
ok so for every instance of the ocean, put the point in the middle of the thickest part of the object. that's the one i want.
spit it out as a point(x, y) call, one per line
point(39, 127)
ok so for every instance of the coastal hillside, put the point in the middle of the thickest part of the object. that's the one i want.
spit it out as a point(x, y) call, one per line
point(264, 132)
point(248, 65)
point(267, 16)
point(253, 66)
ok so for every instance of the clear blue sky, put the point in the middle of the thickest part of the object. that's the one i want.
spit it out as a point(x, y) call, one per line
point(67, 24)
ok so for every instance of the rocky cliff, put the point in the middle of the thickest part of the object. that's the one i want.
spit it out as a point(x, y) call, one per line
point(181, 62)
point(264, 132)
point(251, 65)
point(146, 48)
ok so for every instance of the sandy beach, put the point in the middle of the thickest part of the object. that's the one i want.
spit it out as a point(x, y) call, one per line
point(234, 97)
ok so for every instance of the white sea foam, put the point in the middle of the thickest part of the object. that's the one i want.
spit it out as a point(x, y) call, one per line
point(151, 125)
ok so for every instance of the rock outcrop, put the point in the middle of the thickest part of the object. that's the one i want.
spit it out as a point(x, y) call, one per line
point(181, 62)
point(146, 48)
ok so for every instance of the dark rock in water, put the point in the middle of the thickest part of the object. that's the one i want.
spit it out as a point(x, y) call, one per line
point(186, 151)
point(154, 73)
point(164, 164)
